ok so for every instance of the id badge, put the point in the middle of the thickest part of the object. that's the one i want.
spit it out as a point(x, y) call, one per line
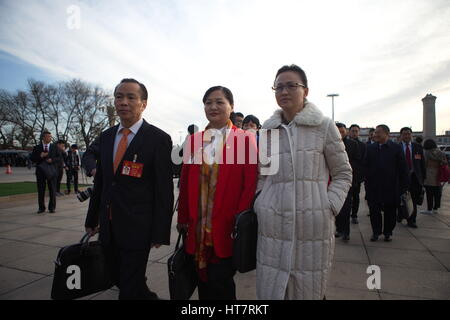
point(132, 169)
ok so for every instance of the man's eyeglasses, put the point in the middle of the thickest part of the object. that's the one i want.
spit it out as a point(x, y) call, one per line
point(290, 87)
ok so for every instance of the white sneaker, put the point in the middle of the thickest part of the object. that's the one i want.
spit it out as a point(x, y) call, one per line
point(425, 212)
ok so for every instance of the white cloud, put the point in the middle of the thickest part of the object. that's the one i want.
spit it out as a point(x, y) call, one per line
point(382, 57)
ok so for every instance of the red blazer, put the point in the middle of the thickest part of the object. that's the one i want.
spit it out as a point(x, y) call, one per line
point(235, 189)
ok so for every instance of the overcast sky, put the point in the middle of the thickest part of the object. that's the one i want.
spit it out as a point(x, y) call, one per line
point(381, 57)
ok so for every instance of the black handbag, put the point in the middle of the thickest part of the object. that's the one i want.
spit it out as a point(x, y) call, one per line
point(80, 270)
point(48, 169)
point(183, 277)
point(421, 196)
point(245, 235)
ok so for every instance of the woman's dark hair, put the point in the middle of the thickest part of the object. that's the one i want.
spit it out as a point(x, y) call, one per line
point(429, 144)
point(253, 119)
point(226, 92)
point(294, 68)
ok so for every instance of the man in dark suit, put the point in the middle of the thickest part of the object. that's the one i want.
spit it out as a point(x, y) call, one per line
point(46, 154)
point(132, 200)
point(415, 162)
point(60, 165)
point(343, 218)
point(90, 157)
point(73, 166)
point(387, 180)
point(370, 139)
point(358, 171)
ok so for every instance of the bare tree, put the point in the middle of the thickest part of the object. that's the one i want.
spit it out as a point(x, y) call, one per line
point(90, 112)
point(73, 110)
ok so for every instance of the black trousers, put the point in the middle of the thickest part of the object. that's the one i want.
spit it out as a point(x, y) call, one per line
point(343, 218)
point(58, 181)
point(376, 219)
point(356, 189)
point(42, 182)
point(434, 195)
point(127, 270)
point(72, 174)
point(220, 284)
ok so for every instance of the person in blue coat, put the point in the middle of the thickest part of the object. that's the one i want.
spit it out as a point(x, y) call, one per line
point(386, 182)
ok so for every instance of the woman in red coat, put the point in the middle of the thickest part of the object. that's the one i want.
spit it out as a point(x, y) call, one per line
point(218, 181)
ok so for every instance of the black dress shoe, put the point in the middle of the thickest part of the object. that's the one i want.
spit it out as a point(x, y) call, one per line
point(40, 211)
point(51, 211)
point(346, 237)
point(387, 238)
point(412, 225)
point(337, 235)
point(374, 237)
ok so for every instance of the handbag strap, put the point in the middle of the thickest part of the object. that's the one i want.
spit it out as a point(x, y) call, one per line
point(256, 196)
point(85, 241)
point(181, 235)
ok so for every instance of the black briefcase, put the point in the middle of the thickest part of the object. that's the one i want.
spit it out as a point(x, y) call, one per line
point(183, 277)
point(80, 270)
point(48, 169)
point(245, 235)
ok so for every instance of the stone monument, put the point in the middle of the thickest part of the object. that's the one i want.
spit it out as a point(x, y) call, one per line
point(429, 117)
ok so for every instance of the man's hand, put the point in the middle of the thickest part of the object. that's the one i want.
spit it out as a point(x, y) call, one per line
point(93, 171)
point(49, 160)
point(156, 245)
point(92, 231)
point(44, 154)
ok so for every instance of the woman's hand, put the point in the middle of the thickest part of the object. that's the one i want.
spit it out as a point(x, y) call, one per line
point(92, 231)
point(182, 227)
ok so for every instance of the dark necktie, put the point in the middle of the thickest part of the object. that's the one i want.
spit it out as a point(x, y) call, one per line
point(45, 148)
point(408, 157)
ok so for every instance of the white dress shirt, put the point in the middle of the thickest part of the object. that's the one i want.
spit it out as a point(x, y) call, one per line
point(134, 129)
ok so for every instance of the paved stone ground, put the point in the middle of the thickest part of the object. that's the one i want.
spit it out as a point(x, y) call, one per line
point(415, 265)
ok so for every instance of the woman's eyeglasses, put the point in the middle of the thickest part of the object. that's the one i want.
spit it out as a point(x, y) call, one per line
point(290, 87)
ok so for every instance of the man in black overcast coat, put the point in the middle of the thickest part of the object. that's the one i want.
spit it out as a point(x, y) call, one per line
point(387, 180)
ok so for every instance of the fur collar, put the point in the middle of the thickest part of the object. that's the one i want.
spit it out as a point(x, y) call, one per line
point(309, 116)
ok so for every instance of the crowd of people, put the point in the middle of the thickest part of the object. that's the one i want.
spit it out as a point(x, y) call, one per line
point(51, 161)
point(305, 204)
point(14, 159)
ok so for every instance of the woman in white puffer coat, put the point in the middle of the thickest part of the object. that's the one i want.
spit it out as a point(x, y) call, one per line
point(297, 204)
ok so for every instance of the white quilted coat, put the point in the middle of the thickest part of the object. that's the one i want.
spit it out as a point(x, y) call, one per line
point(296, 207)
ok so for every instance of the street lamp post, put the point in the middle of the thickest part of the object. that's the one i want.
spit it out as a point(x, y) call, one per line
point(332, 95)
